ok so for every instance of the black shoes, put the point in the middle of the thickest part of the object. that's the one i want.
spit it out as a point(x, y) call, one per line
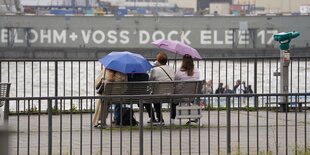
point(152, 121)
point(156, 122)
point(192, 121)
point(100, 126)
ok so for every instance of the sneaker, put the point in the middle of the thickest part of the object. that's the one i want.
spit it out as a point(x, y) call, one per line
point(100, 126)
point(114, 124)
point(192, 121)
point(152, 121)
point(162, 122)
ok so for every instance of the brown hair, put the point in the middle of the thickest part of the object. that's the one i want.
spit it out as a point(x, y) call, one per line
point(162, 58)
point(188, 65)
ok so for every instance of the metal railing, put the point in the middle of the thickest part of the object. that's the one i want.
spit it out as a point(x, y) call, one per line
point(4, 111)
point(41, 123)
point(4, 92)
point(44, 78)
point(223, 128)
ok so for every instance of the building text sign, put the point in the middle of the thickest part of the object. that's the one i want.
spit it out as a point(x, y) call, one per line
point(63, 37)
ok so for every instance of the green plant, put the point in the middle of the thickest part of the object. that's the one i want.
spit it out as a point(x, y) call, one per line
point(55, 110)
point(221, 108)
point(74, 108)
point(212, 108)
point(302, 151)
point(264, 153)
point(33, 109)
point(157, 127)
point(247, 108)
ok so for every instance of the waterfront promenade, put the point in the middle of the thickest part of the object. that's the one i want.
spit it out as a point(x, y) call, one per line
point(251, 128)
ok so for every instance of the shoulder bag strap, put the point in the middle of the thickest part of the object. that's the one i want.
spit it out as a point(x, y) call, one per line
point(166, 73)
point(104, 74)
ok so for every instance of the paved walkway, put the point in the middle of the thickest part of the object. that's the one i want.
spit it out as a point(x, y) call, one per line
point(246, 127)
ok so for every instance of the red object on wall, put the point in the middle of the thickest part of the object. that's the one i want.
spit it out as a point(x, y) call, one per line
point(235, 7)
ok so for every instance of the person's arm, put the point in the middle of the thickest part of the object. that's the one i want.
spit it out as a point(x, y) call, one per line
point(177, 76)
point(99, 78)
point(235, 87)
point(152, 75)
point(197, 74)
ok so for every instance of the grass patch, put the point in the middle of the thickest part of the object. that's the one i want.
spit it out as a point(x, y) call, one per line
point(302, 151)
point(156, 127)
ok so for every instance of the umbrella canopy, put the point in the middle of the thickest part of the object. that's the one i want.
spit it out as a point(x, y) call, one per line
point(126, 62)
point(177, 47)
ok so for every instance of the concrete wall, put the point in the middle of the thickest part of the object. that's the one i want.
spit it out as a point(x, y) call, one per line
point(218, 36)
point(132, 32)
point(95, 53)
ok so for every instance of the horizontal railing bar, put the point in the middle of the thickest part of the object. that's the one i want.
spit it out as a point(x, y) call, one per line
point(213, 58)
point(155, 96)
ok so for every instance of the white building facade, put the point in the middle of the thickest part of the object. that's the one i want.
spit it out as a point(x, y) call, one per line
point(276, 6)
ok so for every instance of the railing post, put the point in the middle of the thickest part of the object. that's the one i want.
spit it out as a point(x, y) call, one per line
point(228, 125)
point(56, 83)
point(7, 105)
point(50, 127)
point(6, 113)
point(284, 70)
point(4, 142)
point(255, 82)
point(141, 127)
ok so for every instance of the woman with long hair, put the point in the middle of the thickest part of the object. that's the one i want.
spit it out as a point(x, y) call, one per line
point(187, 72)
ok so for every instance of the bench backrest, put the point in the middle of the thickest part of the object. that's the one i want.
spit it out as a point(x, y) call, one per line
point(125, 88)
point(189, 87)
point(4, 91)
point(153, 87)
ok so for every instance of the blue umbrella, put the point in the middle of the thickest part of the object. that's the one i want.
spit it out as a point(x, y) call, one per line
point(126, 62)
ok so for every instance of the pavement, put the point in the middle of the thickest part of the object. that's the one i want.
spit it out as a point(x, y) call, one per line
point(252, 132)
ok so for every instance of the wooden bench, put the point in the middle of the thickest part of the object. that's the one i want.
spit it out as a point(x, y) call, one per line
point(187, 105)
point(4, 104)
point(285, 105)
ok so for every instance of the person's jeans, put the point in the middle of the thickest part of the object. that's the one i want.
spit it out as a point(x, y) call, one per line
point(173, 110)
point(117, 113)
point(157, 107)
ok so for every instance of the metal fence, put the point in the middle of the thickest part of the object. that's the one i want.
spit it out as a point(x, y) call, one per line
point(221, 130)
point(52, 102)
point(44, 78)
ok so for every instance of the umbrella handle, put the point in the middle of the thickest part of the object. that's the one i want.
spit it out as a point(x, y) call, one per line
point(175, 62)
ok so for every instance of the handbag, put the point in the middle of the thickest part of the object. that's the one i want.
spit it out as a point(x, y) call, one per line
point(100, 87)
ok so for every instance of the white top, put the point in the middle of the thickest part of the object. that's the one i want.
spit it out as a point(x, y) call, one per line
point(182, 75)
point(240, 89)
point(157, 74)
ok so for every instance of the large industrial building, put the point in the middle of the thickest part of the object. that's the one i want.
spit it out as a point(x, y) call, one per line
point(277, 6)
point(161, 7)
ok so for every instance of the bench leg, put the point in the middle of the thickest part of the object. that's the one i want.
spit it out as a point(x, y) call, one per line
point(299, 107)
point(283, 107)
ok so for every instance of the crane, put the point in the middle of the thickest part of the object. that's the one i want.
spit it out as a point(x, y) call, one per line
point(17, 5)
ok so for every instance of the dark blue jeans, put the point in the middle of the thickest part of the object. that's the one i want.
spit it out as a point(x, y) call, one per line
point(117, 113)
